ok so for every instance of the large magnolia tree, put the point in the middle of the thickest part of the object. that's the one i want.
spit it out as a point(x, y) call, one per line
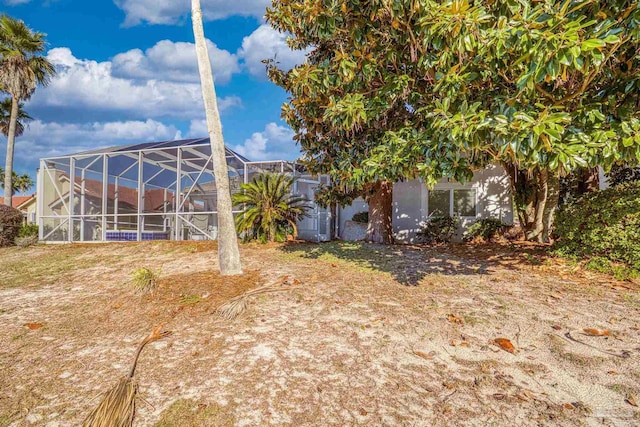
point(403, 88)
point(228, 252)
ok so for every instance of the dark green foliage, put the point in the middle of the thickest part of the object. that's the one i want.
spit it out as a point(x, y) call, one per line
point(621, 173)
point(28, 230)
point(270, 210)
point(438, 229)
point(603, 224)
point(10, 223)
point(486, 228)
point(362, 217)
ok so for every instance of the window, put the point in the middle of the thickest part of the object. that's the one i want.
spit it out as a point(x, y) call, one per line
point(460, 202)
point(464, 202)
point(439, 202)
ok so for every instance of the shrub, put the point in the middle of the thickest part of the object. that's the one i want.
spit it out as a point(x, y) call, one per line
point(604, 224)
point(438, 229)
point(144, 280)
point(486, 229)
point(10, 223)
point(25, 241)
point(28, 230)
point(361, 217)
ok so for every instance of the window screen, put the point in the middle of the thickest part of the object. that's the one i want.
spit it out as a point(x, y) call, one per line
point(464, 202)
point(439, 202)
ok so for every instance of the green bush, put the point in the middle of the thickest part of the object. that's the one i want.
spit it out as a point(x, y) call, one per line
point(28, 230)
point(604, 224)
point(486, 228)
point(10, 223)
point(438, 229)
point(361, 217)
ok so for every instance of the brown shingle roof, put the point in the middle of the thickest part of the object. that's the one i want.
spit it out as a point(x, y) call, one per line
point(17, 200)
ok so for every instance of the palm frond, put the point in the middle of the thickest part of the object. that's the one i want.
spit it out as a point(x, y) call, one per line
point(269, 207)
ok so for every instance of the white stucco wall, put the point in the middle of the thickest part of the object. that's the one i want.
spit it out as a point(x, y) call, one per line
point(410, 202)
point(346, 213)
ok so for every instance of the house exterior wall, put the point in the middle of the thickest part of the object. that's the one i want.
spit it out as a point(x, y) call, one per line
point(411, 202)
point(31, 211)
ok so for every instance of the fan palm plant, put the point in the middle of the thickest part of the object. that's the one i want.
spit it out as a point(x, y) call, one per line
point(5, 117)
point(22, 69)
point(270, 210)
point(21, 183)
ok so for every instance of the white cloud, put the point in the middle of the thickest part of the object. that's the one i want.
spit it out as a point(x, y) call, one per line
point(267, 43)
point(198, 129)
point(49, 139)
point(173, 61)
point(92, 85)
point(275, 142)
point(174, 11)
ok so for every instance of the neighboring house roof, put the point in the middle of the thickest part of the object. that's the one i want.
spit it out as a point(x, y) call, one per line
point(18, 201)
point(127, 196)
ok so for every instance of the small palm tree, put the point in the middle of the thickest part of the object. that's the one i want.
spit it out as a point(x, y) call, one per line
point(22, 69)
point(270, 210)
point(21, 183)
point(5, 117)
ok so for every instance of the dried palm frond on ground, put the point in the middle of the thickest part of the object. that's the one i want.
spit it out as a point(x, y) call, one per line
point(236, 306)
point(118, 406)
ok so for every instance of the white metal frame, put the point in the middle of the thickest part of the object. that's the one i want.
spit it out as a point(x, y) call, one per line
point(193, 168)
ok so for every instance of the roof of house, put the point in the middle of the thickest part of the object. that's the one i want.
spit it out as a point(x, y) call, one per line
point(17, 201)
point(159, 144)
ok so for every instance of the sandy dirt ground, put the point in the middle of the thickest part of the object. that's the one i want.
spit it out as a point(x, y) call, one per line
point(369, 335)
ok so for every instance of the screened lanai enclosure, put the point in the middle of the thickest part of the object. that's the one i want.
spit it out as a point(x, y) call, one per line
point(152, 191)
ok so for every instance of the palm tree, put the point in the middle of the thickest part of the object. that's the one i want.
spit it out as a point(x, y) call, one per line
point(22, 69)
point(5, 117)
point(21, 183)
point(270, 208)
point(228, 252)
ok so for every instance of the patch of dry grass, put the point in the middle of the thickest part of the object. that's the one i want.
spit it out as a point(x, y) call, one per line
point(371, 335)
point(189, 413)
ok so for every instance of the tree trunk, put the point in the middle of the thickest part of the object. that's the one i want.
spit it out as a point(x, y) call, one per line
point(228, 252)
point(379, 229)
point(589, 180)
point(553, 198)
point(535, 195)
point(11, 139)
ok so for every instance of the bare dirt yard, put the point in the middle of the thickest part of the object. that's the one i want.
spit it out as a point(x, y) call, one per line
point(369, 335)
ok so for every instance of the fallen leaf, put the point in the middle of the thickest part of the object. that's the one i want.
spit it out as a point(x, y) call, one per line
point(425, 356)
point(363, 412)
point(612, 373)
point(556, 327)
point(296, 282)
point(568, 406)
point(596, 332)
point(33, 326)
point(455, 319)
point(505, 344)
point(464, 344)
point(631, 400)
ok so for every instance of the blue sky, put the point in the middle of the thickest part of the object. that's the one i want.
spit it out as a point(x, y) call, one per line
point(127, 73)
